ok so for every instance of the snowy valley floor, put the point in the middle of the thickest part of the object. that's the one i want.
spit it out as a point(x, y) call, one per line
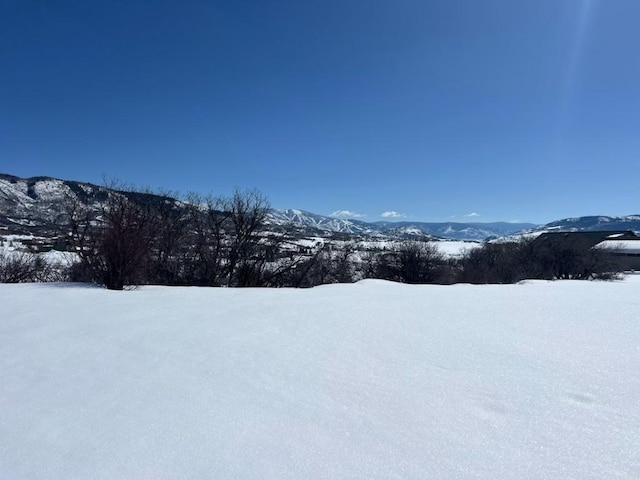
point(367, 381)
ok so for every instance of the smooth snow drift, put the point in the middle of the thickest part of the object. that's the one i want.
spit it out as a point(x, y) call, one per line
point(368, 381)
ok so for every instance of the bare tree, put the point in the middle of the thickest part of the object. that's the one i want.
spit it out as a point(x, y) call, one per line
point(133, 237)
point(114, 241)
point(19, 267)
point(572, 257)
point(308, 270)
point(204, 248)
point(226, 245)
point(411, 262)
point(170, 246)
point(344, 269)
point(504, 262)
point(247, 249)
point(569, 257)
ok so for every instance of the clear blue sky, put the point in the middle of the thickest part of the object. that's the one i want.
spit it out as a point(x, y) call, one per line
point(437, 110)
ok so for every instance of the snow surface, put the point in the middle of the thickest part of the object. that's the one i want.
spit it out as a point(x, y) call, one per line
point(373, 380)
point(449, 248)
point(456, 248)
point(622, 246)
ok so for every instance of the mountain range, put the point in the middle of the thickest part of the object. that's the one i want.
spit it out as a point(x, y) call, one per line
point(447, 230)
point(31, 206)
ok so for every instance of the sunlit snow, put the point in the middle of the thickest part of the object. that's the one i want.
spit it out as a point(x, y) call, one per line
point(371, 380)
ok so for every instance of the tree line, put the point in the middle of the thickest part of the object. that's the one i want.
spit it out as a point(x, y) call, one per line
point(128, 237)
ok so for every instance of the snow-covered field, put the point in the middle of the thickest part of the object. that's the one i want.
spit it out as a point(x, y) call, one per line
point(373, 380)
point(454, 248)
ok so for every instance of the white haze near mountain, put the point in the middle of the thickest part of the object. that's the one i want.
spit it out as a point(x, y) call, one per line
point(371, 380)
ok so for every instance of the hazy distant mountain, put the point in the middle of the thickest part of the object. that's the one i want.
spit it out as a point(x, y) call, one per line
point(591, 223)
point(450, 230)
point(321, 223)
point(459, 231)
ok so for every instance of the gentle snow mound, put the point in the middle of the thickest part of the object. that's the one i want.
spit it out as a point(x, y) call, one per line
point(374, 380)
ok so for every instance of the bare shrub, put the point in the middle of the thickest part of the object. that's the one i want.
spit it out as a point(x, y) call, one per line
point(570, 257)
point(411, 262)
point(495, 263)
point(113, 243)
point(20, 267)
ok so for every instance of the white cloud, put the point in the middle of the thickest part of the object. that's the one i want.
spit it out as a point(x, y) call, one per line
point(392, 214)
point(472, 214)
point(346, 214)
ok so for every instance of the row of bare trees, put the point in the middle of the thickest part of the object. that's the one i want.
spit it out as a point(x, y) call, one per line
point(420, 262)
point(134, 238)
point(407, 262)
point(129, 237)
point(192, 246)
point(511, 262)
point(137, 238)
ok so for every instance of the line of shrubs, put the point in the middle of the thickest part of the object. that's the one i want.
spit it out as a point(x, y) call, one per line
point(134, 238)
point(271, 265)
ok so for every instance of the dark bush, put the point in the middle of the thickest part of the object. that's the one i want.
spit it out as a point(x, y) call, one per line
point(411, 262)
point(21, 267)
point(567, 257)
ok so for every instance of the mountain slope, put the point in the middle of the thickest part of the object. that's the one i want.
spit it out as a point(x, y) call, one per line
point(448, 230)
point(590, 223)
point(459, 231)
point(31, 206)
point(34, 206)
point(303, 219)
